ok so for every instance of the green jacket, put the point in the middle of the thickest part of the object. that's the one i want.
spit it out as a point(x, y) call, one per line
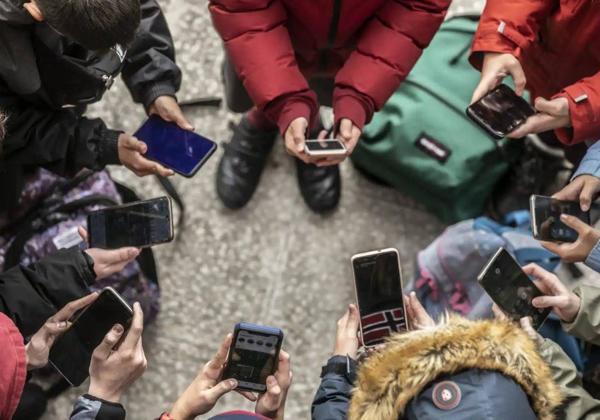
point(587, 323)
point(578, 404)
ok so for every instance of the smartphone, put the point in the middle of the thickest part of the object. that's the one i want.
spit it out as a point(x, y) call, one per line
point(545, 218)
point(324, 147)
point(500, 111)
point(72, 352)
point(140, 224)
point(180, 150)
point(378, 288)
point(253, 356)
point(511, 289)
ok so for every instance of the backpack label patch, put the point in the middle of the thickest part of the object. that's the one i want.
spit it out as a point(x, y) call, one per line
point(67, 239)
point(433, 148)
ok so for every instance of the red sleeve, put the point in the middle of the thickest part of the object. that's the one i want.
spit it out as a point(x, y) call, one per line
point(508, 26)
point(584, 109)
point(387, 50)
point(259, 46)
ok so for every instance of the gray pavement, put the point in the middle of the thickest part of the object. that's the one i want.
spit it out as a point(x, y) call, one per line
point(273, 262)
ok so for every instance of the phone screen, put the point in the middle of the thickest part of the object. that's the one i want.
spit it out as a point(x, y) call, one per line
point(500, 111)
point(546, 214)
point(72, 352)
point(511, 289)
point(181, 150)
point(138, 224)
point(253, 357)
point(327, 145)
point(379, 295)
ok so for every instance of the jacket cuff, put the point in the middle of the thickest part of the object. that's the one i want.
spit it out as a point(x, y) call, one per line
point(593, 259)
point(90, 407)
point(579, 322)
point(292, 110)
point(83, 267)
point(108, 148)
point(585, 124)
point(350, 107)
point(156, 90)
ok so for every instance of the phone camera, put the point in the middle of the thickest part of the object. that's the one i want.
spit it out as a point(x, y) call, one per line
point(269, 344)
point(250, 341)
point(242, 340)
point(497, 271)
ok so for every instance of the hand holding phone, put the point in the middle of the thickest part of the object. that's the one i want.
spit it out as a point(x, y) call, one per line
point(546, 223)
point(510, 288)
point(378, 288)
point(500, 111)
point(140, 224)
point(253, 356)
point(324, 147)
point(183, 151)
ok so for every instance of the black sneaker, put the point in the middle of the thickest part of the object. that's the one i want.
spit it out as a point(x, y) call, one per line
point(242, 164)
point(320, 186)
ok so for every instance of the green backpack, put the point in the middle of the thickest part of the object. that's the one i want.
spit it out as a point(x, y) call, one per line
point(423, 143)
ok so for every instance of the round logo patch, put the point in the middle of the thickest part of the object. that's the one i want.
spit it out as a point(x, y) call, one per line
point(446, 395)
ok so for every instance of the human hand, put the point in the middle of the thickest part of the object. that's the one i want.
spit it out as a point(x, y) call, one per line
point(496, 66)
point(41, 342)
point(583, 189)
point(563, 302)
point(294, 138)
point(114, 369)
point(526, 325)
point(109, 261)
point(349, 134)
point(206, 389)
point(131, 152)
point(271, 404)
point(416, 315)
point(551, 114)
point(579, 250)
point(167, 108)
point(346, 340)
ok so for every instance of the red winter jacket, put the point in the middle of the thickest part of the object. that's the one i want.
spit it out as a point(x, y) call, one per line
point(13, 367)
point(369, 46)
point(558, 45)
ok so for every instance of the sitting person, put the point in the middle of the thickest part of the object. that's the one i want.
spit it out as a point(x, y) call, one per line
point(457, 369)
point(112, 370)
point(204, 391)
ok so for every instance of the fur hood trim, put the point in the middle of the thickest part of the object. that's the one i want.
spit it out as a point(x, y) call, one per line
point(390, 378)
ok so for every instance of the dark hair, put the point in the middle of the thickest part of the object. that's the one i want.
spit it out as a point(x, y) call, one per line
point(95, 24)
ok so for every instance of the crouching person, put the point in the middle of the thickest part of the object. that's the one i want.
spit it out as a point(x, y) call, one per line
point(457, 369)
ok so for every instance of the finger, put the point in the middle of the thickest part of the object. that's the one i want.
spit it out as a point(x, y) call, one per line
point(271, 398)
point(421, 315)
point(353, 319)
point(343, 321)
point(83, 233)
point(133, 143)
point(109, 342)
point(548, 107)
point(180, 120)
point(322, 135)
point(553, 247)
point(250, 396)
point(410, 314)
point(528, 327)
point(222, 388)
point(518, 76)
point(587, 195)
point(489, 80)
point(298, 134)
point(72, 307)
point(220, 356)
point(571, 191)
point(535, 124)
point(121, 256)
point(345, 129)
point(539, 273)
point(558, 302)
point(135, 330)
point(499, 313)
point(149, 167)
point(574, 223)
point(353, 141)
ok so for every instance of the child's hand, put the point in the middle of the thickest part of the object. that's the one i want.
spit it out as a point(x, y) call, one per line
point(583, 189)
point(496, 66)
point(552, 114)
point(579, 250)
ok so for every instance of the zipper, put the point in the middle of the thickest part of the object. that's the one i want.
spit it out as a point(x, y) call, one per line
point(333, 25)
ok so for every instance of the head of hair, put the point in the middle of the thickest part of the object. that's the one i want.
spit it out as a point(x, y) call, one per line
point(95, 24)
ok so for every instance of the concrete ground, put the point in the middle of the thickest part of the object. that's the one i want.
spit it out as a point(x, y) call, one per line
point(273, 262)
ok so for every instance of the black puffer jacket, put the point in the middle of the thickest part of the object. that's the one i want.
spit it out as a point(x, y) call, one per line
point(45, 84)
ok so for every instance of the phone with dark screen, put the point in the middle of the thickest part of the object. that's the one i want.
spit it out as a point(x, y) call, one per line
point(378, 288)
point(545, 218)
point(72, 352)
point(140, 224)
point(511, 289)
point(253, 356)
point(324, 147)
point(500, 111)
point(181, 150)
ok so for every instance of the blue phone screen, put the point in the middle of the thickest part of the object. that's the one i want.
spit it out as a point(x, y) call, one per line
point(174, 147)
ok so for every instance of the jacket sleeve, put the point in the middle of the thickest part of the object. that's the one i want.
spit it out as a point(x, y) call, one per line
point(30, 295)
point(150, 70)
point(590, 164)
point(586, 324)
point(388, 48)
point(332, 399)
point(584, 110)
point(88, 407)
point(59, 140)
point(578, 403)
point(259, 46)
point(508, 26)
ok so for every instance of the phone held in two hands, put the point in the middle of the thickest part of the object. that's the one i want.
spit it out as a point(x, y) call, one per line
point(545, 218)
point(71, 354)
point(511, 289)
point(330, 147)
point(379, 296)
point(500, 111)
point(183, 151)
